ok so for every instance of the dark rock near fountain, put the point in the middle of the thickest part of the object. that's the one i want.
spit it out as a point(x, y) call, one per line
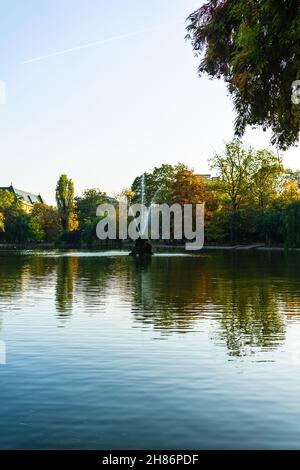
point(142, 247)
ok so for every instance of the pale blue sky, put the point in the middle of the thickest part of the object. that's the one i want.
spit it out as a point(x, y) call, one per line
point(104, 114)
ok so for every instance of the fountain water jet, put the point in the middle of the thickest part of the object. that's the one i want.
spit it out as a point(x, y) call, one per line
point(142, 246)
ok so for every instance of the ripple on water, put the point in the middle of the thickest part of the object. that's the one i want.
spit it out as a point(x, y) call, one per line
point(180, 351)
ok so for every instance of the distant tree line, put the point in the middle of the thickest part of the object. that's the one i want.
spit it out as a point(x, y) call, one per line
point(251, 198)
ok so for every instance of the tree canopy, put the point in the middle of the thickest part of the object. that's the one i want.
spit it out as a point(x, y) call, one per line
point(254, 46)
point(249, 198)
point(86, 205)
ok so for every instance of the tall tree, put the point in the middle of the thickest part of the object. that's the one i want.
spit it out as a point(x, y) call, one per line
point(65, 200)
point(254, 46)
point(234, 168)
point(265, 181)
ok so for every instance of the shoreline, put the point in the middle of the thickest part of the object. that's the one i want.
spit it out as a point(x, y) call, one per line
point(158, 248)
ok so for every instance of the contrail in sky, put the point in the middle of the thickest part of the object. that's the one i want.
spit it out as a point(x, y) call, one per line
point(91, 44)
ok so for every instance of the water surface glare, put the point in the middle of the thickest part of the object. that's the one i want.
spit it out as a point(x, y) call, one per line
point(104, 351)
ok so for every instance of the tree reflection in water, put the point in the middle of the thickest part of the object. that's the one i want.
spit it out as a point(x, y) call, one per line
point(249, 296)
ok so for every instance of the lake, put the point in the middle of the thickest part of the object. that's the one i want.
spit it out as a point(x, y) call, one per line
point(104, 351)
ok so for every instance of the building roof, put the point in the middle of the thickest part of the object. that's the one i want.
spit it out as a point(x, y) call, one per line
point(25, 195)
point(208, 177)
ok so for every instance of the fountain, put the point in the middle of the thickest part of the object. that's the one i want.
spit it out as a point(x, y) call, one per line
point(142, 246)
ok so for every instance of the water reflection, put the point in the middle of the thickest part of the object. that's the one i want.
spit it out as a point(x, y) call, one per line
point(66, 274)
point(249, 296)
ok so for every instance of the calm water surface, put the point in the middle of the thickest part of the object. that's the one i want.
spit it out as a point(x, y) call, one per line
point(104, 351)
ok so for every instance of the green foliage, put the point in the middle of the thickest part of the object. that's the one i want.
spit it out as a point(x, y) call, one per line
point(49, 220)
point(188, 188)
point(88, 233)
point(85, 209)
point(169, 184)
point(254, 46)
point(71, 238)
point(18, 228)
point(2, 225)
point(251, 198)
point(235, 169)
point(7, 199)
point(86, 205)
point(265, 181)
point(247, 176)
point(35, 229)
point(7, 202)
point(158, 185)
point(64, 200)
point(216, 229)
point(270, 226)
point(291, 225)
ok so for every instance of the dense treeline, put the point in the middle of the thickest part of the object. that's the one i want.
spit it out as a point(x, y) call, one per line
point(251, 198)
point(19, 226)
